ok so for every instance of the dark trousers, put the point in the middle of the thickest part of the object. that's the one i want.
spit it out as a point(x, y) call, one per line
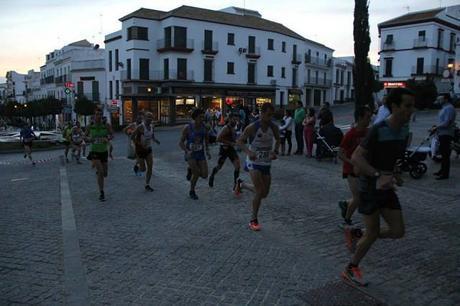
point(445, 150)
point(299, 137)
point(287, 138)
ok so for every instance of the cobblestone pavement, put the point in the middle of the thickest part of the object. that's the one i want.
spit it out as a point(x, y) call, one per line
point(161, 248)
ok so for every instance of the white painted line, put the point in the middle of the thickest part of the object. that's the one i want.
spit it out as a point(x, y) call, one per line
point(19, 179)
point(75, 283)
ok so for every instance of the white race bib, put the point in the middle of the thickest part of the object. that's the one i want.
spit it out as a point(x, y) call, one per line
point(263, 156)
point(196, 147)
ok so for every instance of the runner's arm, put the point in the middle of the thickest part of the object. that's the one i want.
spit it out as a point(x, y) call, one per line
point(276, 134)
point(183, 138)
point(241, 142)
point(358, 159)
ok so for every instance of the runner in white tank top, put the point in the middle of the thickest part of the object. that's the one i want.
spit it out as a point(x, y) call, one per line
point(260, 153)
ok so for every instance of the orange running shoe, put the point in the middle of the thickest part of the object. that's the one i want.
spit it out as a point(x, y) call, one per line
point(254, 225)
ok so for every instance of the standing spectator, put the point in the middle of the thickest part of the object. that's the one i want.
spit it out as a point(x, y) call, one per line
point(299, 116)
point(286, 129)
point(445, 131)
point(324, 115)
point(383, 112)
point(309, 130)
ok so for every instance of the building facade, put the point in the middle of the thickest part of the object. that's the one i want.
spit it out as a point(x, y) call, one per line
point(171, 62)
point(3, 87)
point(15, 87)
point(419, 46)
point(75, 71)
point(33, 86)
point(342, 76)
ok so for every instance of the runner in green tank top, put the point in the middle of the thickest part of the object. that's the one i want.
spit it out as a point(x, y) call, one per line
point(99, 135)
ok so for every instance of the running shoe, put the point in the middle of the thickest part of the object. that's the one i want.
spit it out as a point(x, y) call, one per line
point(25, 155)
point(237, 189)
point(343, 205)
point(211, 180)
point(354, 275)
point(102, 196)
point(254, 225)
point(189, 174)
point(193, 195)
point(148, 188)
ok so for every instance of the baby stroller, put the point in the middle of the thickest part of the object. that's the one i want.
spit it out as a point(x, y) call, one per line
point(414, 157)
point(328, 140)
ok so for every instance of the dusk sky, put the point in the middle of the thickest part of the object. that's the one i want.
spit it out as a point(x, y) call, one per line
point(31, 28)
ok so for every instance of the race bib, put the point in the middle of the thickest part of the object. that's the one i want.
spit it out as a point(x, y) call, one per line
point(263, 156)
point(196, 147)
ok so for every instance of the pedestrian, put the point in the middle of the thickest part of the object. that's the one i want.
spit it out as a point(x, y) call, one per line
point(27, 136)
point(376, 162)
point(309, 131)
point(99, 135)
point(299, 116)
point(227, 139)
point(194, 142)
point(129, 131)
point(445, 131)
point(324, 115)
point(67, 135)
point(77, 140)
point(144, 137)
point(286, 129)
point(349, 143)
point(242, 117)
point(383, 112)
point(260, 153)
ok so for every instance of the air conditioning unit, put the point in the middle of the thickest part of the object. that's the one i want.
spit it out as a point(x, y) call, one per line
point(272, 82)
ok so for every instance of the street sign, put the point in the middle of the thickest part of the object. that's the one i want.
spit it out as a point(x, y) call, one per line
point(67, 91)
point(68, 84)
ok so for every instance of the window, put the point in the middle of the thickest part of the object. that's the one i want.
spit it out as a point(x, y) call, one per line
point(117, 89)
point(117, 59)
point(324, 78)
point(294, 52)
point(388, 67)
point(349, 78)
point(283, 46)
point(316, 77)
point(437, 67)
point(182, 69)
point(283, 72)
point(389, 39)
point(308, 76)
point(251, 73)
point(421, 35)
point(110, 90)
point(270, 71)
point(167, 32)
point(208, 70)
point(440, 38)
point(251, 44)
point(137, 33)
point(342, 73)
point(110, 60)
point(420, 61)
point(294, 77)
point(270, 44)
point(166, 69)
point(452, 42)
point(281, 98)
point(128, 68)
point(180, 37)
point(337, 76)
point(143, 68)
point(230, 68)
point(230, 39)
point(207, 40)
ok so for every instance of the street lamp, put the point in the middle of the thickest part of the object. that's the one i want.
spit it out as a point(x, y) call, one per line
point(450, 66)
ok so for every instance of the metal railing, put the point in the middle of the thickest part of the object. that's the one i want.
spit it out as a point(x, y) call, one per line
point(170, 45)
point(318, 82)
point(388, 45)
point(296, 58)
point(253, 52)
point(157, 75)
point(426, 69)
point(314, 60)
point(420, 42)
point(212, 47)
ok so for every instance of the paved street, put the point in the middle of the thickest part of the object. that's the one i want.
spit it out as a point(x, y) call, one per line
point(162, 248)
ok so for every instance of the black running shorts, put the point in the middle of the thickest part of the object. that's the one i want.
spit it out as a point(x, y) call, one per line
point(142, 153)
point(102, 156)
point(227, 152)
point(373, 200)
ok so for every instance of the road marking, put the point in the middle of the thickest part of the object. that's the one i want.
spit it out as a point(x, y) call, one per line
point(76, 285)
point(19, 179)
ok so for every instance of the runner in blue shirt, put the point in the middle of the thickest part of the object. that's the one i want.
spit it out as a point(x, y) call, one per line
point(26, 137)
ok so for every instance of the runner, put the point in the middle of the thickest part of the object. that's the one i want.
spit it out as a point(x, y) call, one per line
point(143, 137)
point(77, 141)
point(129, 130)
point(99, 136)
point(104, 121)
point(260, 153)
point(194, 142)
point(349, 143)
point(67, 135)
point(376, 161)
point(227, 138)
point(27, 136)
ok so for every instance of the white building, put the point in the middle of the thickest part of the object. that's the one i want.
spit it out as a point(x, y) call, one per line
point(3, 87)
point(419, 46)
point(15, 87)
point(33, 86)
point(78, 66)
point(342, 76)
point(456, 69)
point(170, 62)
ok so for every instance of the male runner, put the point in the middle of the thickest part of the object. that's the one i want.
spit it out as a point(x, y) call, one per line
point(376, 160)
point(260, 153)
point(143, 137)
point(27, 136)
point(77, 140)
point(227, 138)
point(67, 135)
point(194, 141)
point(129, 130)
point(99, 136)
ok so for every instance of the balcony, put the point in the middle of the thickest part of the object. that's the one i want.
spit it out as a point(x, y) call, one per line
point(253, 52)
point(47, 80)
point(318, 82)
point(420, 42)
point(426, 70)
point(61, 79)
point(157, 75)
point(388, 46)
point(296, 59)
point(210, 48)
point(167, 46)
point(317, 61)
